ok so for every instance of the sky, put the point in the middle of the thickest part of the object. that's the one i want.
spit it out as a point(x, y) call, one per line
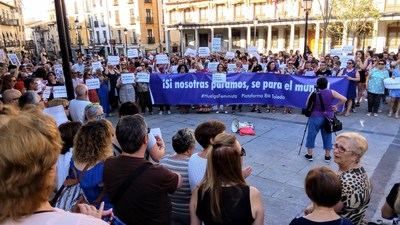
point(35, 9)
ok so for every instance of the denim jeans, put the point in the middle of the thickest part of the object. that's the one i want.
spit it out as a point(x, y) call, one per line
point(315, 124)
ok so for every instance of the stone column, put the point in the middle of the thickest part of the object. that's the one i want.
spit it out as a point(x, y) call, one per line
point(344, 37)
point(196, 38)
point(167, 44)
point(269, 38)
point(229, 38)
point(316, 43)
point(291, 43)
point(212, 36)
point(248, 42)
point(281, 39)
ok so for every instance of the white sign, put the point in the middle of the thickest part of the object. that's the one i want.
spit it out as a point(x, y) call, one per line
point(58, 114)
point(190, 52)
point(230, 55)
point(156, 132)
point(14, 59)
point(2, 56)
point(203, 51)
point(216, 45)
point(219, 78)
point(264, 67)
point(391, 83)
point(133, 53)
point(212, 66)
point(46, 93)
point(143, 77)
point(127, 78)
point(113, 60)
point(58, 70)
point(348, 49)
point(231, 68)
point(59, 92)
point(97, 65)
point(192, 70)
point(245, 67)
point(336, 51)
point(344, 59)
point(252, 49)
point(162, 59)
point(93, 83)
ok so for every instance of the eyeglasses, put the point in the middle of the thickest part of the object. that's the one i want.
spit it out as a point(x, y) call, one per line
point(99, 117)
point(349, 63)
point(340, 148)
point(381, 63)
point(242, 152)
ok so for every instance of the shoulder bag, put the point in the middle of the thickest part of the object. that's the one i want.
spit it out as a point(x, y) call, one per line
point(331, 125)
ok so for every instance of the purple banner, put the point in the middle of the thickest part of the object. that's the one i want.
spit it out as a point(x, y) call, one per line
point(239, 88)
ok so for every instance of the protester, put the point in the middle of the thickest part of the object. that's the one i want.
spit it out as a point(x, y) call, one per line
point(375, 87)
point(394, 95)
point(77, 106)
point(29, 98)
point(353, 76)
point(322, 99)
point(93, 111)
point(223, 197)
point(391, 208)
point(11, 96)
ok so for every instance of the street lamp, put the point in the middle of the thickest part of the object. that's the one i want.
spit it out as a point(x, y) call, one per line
point(255, 23)
point(307, 7)
point(126, 40)
point(77, 27)
point(180, 28)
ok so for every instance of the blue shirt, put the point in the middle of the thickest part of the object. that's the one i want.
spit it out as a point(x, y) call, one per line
point(375, 81)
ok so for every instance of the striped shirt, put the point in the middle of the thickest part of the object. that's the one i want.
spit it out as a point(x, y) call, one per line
point(180, 199)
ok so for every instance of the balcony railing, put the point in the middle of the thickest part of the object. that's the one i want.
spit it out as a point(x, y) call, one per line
point(151, 40)
point(149, 20)
point(9, 22)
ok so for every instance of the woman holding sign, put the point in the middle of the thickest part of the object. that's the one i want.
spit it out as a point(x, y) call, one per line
point(395, 94)
point(221, 108)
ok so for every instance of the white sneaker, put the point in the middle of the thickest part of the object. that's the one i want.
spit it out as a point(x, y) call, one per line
point(375, 114)
point(169, 112)
point(217, 112)
point(226, 112)
point(379, 111)
point(368, 114)
point(160, 113)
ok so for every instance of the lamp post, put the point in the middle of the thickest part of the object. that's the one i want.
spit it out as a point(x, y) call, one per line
point(255, 23)
point(180, 28)
point(307, 7)
point(126, 40)
point(77, 27)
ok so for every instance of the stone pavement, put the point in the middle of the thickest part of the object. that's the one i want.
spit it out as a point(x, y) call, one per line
point(278, 170)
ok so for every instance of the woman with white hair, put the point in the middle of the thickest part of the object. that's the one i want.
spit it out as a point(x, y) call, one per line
point(94, 111)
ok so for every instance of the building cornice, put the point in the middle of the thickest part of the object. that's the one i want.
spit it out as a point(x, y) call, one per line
point(8, 5)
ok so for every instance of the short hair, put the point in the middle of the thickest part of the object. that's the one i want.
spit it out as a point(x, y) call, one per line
point(68, 131)
point(323, 186)
point(322, 83)
point(207, 131)
point(128, 108)
point(81, 90)
point(91, 111)
point(27, 162)
point(93, 142)
point(10, 95)
point(358, 143)
point(131, 132)
point(28, 81)
point(183, 140)
point(28, 98)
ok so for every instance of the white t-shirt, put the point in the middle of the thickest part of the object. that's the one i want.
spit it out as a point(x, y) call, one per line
point(77, 109)
point(197, 169)
point(63, 162)
point(57, 217)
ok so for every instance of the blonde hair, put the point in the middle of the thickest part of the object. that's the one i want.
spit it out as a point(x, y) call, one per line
point(93, 142)
point(224, 166)
point(29, 147)
point(358, 143)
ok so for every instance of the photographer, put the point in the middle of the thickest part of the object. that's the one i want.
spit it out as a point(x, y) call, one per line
point(327, 97)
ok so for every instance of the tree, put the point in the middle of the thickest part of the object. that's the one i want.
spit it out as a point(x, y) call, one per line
point(326, 14)
point(356, 16)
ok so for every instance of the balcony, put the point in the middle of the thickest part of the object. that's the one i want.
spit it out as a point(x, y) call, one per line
point(151, 40)
point(390, 8)
point(132, 21)
point(147, 1)
point(115, 3)
point(9, 22)
point(149, 20)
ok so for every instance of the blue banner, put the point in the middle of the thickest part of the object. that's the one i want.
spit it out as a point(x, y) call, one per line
point(239, 88)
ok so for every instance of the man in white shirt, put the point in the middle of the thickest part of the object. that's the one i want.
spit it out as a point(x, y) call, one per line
point(79, 67)
point(77, 105)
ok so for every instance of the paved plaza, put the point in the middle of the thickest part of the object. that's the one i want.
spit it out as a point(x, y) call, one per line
point(278, 170)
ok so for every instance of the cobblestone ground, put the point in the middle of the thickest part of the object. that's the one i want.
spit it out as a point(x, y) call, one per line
point(278, 170)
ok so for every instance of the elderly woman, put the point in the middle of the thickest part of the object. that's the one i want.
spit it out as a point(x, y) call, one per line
point(223, 196)
point(323, 188)
point(94, 111)
point(375, 87)
point(356, 188)
point(28, 171)
point(183, 143)
point(92, 146)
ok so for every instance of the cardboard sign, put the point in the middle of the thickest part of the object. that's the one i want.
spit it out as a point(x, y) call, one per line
point(127, 78)
point(190, 52)
point(93, 83)
point(14, 59)
point(391, 83)
point(58, 70)
point(245, 67)
point(47, 92)
point(348, 49)
point(264, 66)
point(216, 45)
point(59, 92)
point(162, 59)
point(58, 114)
point(344, 59)
point(219, 78)
point(97, 65)
point(132, 53)
point(212, 66)
point(156, 132)
point(143, 77)
point(252, 49)
point(231, 68)
point(2, 56)
point(336, 52)
point(230, 55)
point(203, 51)
point(174, 69)
point(192, 70)
point(113, 60)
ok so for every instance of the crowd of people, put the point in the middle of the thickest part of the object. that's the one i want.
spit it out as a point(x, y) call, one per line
point(124, 172)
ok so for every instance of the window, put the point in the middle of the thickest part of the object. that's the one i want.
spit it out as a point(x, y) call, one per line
point(392, 6)
point(117, 22)
point(259, 10)
point(187, 15)
point(172, 16)
point(132, 16)
point(76, 7)
point(150, 33)
point(393, 36)
point(203, 14)
point(116, 2)
point(119, 36)
point(98, 37)
point(105, 36)
point(220, 12)
point(238, 10)
point(101, 3)
point(103, 24)
point(148, 12)
point(134, 41)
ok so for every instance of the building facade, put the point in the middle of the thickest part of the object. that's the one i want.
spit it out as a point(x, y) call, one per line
point(268, 25)
point(11, 26)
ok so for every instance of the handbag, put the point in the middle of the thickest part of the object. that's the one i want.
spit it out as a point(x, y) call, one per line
point(331, 125)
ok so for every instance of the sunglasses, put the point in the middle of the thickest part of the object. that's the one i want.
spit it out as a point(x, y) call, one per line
point(349, 63)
